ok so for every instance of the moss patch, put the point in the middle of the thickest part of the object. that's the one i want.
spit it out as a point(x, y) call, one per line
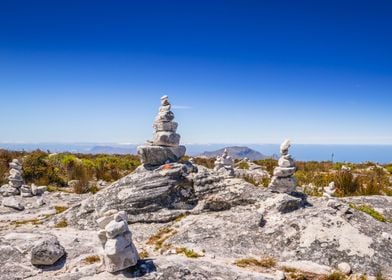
point(370, 211)
point(188, 252)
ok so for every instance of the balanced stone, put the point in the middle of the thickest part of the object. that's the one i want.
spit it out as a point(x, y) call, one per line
point(116, 239)
point(165, 144)
point(283, 180)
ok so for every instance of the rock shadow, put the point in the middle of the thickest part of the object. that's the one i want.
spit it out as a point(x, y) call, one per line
point(142, 268)
point(56, 266)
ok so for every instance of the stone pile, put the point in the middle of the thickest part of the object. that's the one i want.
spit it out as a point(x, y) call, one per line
point(225, 164)
point(16, 184)
point(329, 191)
point(283, 180)
point(116, 239)
point(165, 146)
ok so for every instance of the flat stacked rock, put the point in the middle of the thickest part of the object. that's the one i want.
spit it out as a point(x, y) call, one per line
point(16, 184)
point(283, 180)
point(165, 146)
point(225, 163)
point(116, 239)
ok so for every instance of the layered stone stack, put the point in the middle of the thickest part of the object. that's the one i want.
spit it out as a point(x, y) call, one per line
point(15, 178)
point(225, 163)
point(283, 180)
point(165, 146)
point(116, 239)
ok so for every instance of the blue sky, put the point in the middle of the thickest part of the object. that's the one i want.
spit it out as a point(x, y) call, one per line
point(237, 71)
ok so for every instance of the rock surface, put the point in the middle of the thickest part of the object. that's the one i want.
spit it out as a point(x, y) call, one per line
point(179, 208)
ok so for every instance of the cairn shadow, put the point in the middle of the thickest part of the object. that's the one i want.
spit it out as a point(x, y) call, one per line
point(142, 268)
point(303, 197)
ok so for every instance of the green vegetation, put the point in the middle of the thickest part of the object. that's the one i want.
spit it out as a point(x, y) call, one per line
point(370, 211)
point(56, 170)
point(188, 252)
point(243, 165)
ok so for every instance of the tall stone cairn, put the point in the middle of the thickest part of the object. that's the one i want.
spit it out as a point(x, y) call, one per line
point(165, 145)
point(283, 180)
point(15, 180)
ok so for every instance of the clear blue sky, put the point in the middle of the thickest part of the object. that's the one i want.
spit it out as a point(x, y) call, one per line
point(238, 71)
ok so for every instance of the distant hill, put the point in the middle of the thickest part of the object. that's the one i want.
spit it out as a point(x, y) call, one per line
point(119, 150)
point(236, 153)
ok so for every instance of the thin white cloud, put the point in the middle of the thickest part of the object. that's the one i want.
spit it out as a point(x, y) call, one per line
point(181, 107)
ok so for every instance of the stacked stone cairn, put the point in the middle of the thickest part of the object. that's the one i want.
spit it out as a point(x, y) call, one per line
point(329, 191)
point(16, 184)
point(225, 164)
point(165, 146)
point(283, 180)
point(116, 239)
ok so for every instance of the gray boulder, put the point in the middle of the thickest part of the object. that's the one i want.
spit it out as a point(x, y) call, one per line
point(158, 155)
point(47, 251)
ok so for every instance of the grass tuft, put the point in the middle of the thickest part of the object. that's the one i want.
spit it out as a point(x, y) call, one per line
point(370, 211)
point(61, 224)
point(92, 259)
point(188, 252)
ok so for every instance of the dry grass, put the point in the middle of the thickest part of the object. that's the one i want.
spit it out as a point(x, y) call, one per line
point(160, 237)
point(92, 259)
point(266, 262)
point(61, 224)
point(60, 209)
point(188, 252)
point(144, 254)
point(25, 222)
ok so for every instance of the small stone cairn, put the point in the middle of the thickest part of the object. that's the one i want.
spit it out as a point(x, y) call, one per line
point(283, 180)
point(225, 164)
point(329, 191)
point(16, 184)
point(165, 146)
point(116, 239)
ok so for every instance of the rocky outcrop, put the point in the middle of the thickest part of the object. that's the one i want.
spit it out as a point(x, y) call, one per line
point(165, 145)
point(283, 179)
point(246, 169)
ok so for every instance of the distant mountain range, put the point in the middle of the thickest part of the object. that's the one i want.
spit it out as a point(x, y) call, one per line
point(236, 152)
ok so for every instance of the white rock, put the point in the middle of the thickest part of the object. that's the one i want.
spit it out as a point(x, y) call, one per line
point(344, 268)
point(116, 228)
point(279, 275)
point(11, 202)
